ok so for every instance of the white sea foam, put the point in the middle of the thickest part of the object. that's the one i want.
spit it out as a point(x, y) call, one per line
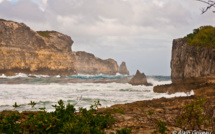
point(48, 94)
point(22, 75)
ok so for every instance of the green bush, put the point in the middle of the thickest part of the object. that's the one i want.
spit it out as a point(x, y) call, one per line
point(45, 34)
point(202, 37)
point(197, 115)
point(64, 119)
point(124, 131)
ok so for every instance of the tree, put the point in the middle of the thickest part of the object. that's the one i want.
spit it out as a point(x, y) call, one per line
point(210, 4)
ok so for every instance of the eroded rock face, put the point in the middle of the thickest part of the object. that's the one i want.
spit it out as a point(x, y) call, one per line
point(190, 61)
point(139, 79)
point(86, 63)
point(123, 69)
point(23, 50)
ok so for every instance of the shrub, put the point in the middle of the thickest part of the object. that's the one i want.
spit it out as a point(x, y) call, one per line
point(45, 34)
point(63, 120)
point(197, 115)
point(202, 37)
point(124, 131)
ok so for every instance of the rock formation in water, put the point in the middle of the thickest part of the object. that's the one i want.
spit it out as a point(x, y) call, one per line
point(23, 50)
point(139, 79)
point(191, 61)
point(86, 63)
point(123, 69)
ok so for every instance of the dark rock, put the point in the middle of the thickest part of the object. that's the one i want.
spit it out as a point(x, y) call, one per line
point(191, 61)
point(192, 68)
point(139, 79)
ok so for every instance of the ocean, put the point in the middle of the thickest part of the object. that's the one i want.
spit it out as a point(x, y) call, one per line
point(77, 90)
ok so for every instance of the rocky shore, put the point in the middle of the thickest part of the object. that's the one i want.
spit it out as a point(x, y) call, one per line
point(136, 114)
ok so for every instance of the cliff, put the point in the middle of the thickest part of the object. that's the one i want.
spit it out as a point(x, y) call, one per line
point(191, 61)
point(86, 63)
point(23, 50)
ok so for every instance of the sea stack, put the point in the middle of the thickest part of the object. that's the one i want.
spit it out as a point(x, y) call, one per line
point(123, 69)
point(139, 79)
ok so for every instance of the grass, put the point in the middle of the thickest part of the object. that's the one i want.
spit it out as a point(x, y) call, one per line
point(202, 37)
point(45, 34)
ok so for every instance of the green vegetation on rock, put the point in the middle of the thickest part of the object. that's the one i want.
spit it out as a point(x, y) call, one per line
point(197, 115)
point(45, 34)
point(202, 37)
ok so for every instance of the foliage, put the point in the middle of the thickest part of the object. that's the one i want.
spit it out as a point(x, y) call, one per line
point(161, 127)
point(124, 131)
point(44, 33)
point(195, 115)
point(64, 119)
point(159, 124)
point(202, 37)
point(32, 103)
point(15, 105)
point(150, 112)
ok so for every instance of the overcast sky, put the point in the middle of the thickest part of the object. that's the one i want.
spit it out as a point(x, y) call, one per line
point(139, 32)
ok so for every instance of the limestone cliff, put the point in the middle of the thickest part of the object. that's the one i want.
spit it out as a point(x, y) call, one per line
point(192, 68)
point(23, 50)
point(191, 61)
point(86, 63)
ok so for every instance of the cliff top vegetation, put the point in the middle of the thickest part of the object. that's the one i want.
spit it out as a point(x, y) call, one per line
point(45, 33)
point(203, 36)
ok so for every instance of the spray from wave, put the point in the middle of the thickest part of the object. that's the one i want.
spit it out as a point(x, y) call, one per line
point(46, 91)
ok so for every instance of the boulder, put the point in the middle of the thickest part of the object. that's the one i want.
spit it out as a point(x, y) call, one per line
point(139, 79)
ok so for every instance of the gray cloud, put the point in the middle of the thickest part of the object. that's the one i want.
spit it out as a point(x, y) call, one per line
point(139, 32)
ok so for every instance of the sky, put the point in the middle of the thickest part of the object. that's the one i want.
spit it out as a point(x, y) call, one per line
point(139, 32)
